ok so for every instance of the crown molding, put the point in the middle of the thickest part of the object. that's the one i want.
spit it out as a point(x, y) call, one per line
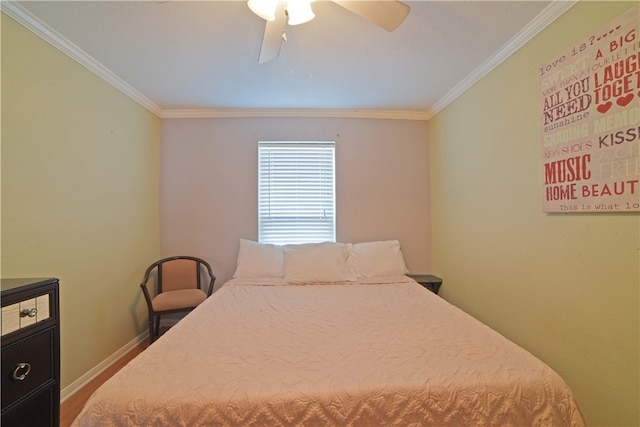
point(539, 23)
point(294, 113)
point(543, 20)
point(41, 29)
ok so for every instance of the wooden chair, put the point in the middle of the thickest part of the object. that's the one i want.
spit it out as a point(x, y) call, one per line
point(179, 288)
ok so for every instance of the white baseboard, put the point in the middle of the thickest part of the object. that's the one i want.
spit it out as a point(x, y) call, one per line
point(72, 388)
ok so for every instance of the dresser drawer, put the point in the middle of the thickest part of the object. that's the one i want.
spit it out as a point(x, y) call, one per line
point(27, 365)
point(38, 410)
point(25, 313)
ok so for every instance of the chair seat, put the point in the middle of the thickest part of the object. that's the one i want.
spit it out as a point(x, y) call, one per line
point(182, 298)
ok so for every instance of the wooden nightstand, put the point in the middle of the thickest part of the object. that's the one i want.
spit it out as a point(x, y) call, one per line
point(428, 281)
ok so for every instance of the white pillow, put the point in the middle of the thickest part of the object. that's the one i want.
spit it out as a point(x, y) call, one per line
point(317, 263)
point(256, 260)
point(378, 259)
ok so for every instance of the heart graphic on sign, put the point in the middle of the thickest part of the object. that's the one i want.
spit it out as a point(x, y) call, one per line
point(603, 108)
point(624, 100)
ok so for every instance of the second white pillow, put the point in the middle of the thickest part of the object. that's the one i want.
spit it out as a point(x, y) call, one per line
point(317, 263)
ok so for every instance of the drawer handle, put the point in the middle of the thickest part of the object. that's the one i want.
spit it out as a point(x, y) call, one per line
point(21, 376)
point(30, 312)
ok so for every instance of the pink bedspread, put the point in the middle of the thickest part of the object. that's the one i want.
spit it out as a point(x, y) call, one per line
point(368, 354)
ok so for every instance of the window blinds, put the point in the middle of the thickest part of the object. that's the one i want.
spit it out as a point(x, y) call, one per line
point(296, 192)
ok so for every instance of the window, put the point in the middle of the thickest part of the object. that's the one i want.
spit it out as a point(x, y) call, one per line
point(296, 192)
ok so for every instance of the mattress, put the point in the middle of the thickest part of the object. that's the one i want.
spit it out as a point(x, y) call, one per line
point(368, 353)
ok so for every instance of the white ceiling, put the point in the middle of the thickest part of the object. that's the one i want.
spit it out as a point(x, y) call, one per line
point(177, 56)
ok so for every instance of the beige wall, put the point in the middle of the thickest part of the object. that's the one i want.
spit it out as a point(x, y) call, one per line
point(209, 183)
point(79, 194)
point(565, 287)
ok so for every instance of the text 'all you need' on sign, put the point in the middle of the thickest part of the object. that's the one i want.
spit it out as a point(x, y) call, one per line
point(590, 101)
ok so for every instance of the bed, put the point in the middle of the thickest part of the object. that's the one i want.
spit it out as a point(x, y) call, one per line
point(293, 348)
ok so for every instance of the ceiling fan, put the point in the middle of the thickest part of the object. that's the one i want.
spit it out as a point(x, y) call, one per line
point(387, 14)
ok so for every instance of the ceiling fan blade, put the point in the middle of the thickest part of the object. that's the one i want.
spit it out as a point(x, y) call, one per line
point(272, 39)
point(386, 14)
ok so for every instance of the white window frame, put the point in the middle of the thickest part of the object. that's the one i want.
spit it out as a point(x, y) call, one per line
point(296, 192)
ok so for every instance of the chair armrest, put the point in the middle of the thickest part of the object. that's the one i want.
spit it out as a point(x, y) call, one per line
point(210, 291)
point(212, 276)
point(147, 296)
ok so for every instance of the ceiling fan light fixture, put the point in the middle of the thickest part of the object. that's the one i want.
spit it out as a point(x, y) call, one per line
point(265, 9)
point(299, 11)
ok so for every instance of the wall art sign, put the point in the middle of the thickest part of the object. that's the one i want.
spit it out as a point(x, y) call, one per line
point(590, 120)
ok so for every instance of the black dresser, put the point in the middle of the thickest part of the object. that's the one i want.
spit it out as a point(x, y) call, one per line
point(30, 353)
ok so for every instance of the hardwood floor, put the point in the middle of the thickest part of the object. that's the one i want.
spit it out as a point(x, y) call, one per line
point(71, 407)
